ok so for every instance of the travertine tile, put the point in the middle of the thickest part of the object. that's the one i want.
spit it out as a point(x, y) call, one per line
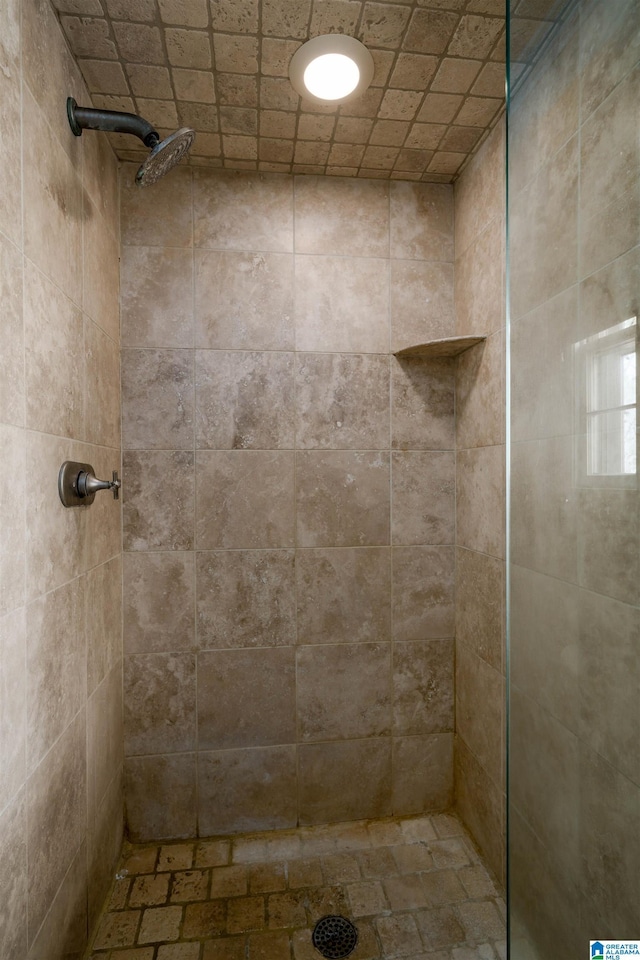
point(246, 599)
point(479, 687)
point(479, 502)
point(343, 595)
point(244, 301)
point(102, 396)
point(226, 718)
point(423, 579)
point(243, 499)
point(479, 604)
point(160, 923)
point(268, 201)
point(156, 297)
point(423, 497)
point(421, 221)
point(159, 594)
point(158, 399)
point(244, 400)
point(159, 703)
point(161, 796)
point(149, 890)
point(422, 773)
point(422, 405)
point(166, 219)
point(326, 796)
point(342, 499)
point(13, 843)
point(158, 511)
point(12, 373)
point(343, 711)
point(423, 688)
point(421, 302)
point(342, 400)
point(338, 217)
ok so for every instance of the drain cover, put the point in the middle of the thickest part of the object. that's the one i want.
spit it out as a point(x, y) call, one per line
point(335, 937)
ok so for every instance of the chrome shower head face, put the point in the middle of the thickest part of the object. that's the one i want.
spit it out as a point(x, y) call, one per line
point(164, 156)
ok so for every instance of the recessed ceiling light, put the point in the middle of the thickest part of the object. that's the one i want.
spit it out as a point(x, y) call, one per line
point(331, 69)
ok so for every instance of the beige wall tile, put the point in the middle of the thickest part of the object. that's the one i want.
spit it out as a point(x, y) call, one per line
point(421, 221)
point(480, 687)
point(12, 519)
point(422, 404)
point(246, 599)
point(422, 773)
point(243, 499)
point(479, 297)
point(338, 217)
point(244, 790)
point(342, 499)
point(480, 508)
point(159, 596)
point(101, 286)
point(11, 146)
point(607, 50)
point(479, 802)
point(423, 582)
point(166, 218)
point(159, 703)
point(480, 402)
point(56, 810)
point(343, 709)
point(479, 194)
point(244, 400)
point(160, 796)
point(13, 719)
point(341, 304)
point(159, 505)
point(227, 718)
point(103, 524)
point(421, 302)
point(13, 886)
point(423, 688)
point(156, 299)
point(268, 203)
point(342, 400)
point(324, 794)
point(244, 301)
point(608, 542)
point(102, 399)
point(343, 595)
point(480, 605)
point(56, 666)
point(423, 497)
point(104, 753)
point(12, 373)
point(158, 399)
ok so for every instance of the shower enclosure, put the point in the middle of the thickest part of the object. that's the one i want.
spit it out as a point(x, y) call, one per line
point(574, 577)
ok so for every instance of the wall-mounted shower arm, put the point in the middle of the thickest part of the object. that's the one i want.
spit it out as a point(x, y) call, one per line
point(110, 121)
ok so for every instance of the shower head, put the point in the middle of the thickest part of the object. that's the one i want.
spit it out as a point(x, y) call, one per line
point(164, 155)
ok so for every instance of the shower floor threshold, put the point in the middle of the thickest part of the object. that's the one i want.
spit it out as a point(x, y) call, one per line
point(415, 888)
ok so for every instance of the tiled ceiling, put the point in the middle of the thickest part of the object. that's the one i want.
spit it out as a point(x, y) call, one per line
point(221, 67)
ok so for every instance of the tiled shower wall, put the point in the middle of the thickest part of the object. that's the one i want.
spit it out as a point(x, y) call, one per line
point(60, 570)
point(289, 501)
point(480, 502)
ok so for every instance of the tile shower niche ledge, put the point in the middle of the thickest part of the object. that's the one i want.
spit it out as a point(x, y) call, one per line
point(447, 347)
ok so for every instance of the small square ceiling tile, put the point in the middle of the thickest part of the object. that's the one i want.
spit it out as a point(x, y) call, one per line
point(446, 162)
point(495, 8)
point(334, 16)
point(235, 53)
point(499, 52)
point(184, 13)
point(353, 130)
point(240, 148)
point(239, 164)
point(439, 107)
point(199, 116)
point(275, 151)
point(104, 76)
point(161, 113)
point(236, 89)
point(139, 11)
point(276, 124)
point(460, 139)
point(188, 48)
point(239, 120)
point(277, 94)
point(311, 153)
point(149, 81)
point(475, 36)
point(400, 104)
point(455, 5)
point(430, 31)
point(207, 145)
point(365, 106)
point(382, 64)
point(89, 38)
point(332, 171)
point(282, 18)
point(477, 112)
point(490, 82)
point(309, 106)
point(413, 71)
point(380, 158)
point(455, 75)
point(389, 133)
point(102, 102)
point(276, 56)
point(383, 25)
point(312, 127)
point(346, 154)
point(413, 160)
point(195, 85)
point(274, 167)
point(82, 8)
point(425, 136)
point(234, 16)
point(538, 9)
point(138, 42)
point(309, 169)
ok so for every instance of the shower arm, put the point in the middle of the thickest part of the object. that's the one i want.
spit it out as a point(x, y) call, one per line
point(110, 121)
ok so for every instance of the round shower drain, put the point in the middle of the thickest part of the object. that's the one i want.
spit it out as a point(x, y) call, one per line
point(335, 937)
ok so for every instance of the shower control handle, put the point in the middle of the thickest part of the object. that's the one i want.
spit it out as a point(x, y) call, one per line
point(78, 484)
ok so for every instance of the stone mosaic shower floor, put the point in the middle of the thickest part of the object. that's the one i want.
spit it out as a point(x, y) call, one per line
point(416, 889)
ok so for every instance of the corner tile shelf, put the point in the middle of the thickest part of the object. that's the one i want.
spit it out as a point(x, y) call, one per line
point(448, 347)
